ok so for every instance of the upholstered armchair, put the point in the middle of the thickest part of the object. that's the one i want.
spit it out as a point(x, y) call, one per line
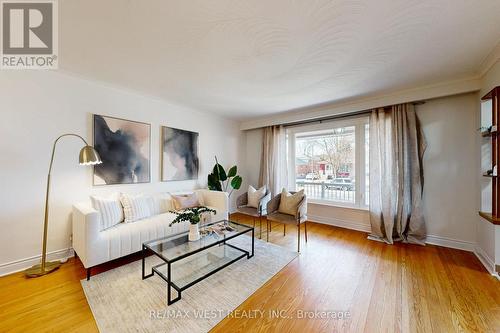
point(274, 215)
point(259, 212)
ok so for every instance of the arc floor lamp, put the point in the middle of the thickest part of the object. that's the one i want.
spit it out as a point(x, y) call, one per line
point(88, 156)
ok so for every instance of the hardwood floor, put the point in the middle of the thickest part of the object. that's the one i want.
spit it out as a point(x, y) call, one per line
point(379, 288)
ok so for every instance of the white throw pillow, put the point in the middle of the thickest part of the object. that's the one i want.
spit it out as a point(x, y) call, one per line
point(254, 196)
point(110, 209)
point(136, 207)
point(289, 202)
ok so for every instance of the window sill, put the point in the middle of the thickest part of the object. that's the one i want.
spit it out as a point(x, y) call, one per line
point(337, 204)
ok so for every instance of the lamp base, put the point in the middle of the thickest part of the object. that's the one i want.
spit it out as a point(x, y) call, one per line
point(36, 271)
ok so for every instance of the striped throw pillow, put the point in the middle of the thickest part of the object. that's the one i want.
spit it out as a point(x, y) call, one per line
point(110, 209)
point(136, 207)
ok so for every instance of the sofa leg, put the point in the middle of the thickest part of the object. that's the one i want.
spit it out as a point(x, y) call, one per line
point(88, 273)
point(298, 238)
point(260, 223)
point(75, 255)
point(305, 229)
point(267, 229)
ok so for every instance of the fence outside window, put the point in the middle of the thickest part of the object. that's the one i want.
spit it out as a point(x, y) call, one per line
point(321, 190)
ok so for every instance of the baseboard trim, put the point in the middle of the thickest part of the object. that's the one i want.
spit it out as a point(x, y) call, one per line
point(340, 223)
point(22, 264)
point(487, 262)
point(431, 239)
point(450, 242)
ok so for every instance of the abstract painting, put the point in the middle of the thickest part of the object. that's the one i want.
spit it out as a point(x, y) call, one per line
point(179, 154)
point(124, 147)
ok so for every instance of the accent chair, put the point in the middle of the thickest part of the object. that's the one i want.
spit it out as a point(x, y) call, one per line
point(300, 216)
point(259, 212)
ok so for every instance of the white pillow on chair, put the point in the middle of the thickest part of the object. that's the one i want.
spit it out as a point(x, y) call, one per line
point(254, 196)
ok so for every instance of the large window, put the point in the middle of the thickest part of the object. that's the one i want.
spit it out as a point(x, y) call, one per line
point(330, 161)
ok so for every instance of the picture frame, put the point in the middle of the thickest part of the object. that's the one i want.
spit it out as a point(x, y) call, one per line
point(125, 149)
point(179, 151)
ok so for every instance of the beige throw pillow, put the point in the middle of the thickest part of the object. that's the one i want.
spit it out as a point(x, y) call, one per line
point(289, 202)
point(185, 201)
point(254, 196)
point(136, 207)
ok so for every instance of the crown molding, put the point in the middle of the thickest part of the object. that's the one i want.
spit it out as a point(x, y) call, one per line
point(491, 59)
point(470, 84)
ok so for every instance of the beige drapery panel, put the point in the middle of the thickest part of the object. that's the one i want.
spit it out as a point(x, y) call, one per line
point(273, 166)
point(397, 146)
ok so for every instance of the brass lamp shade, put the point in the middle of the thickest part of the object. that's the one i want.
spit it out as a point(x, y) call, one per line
point(89, 156)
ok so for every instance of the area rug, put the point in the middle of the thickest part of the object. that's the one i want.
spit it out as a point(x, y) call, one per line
point(122, 302)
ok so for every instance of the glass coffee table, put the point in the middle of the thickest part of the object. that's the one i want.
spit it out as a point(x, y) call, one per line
point(186, 263)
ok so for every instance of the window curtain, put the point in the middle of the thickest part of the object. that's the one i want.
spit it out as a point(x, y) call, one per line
point(397, 146)
point(273, 167)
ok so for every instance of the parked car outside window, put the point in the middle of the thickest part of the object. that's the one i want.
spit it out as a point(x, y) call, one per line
point(344, 184)
point(312, 176)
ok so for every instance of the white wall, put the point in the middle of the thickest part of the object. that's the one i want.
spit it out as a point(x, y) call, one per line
point(450, 169)
point(38, 106)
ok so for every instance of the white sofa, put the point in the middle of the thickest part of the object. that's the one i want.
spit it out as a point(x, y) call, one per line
point(95, 247)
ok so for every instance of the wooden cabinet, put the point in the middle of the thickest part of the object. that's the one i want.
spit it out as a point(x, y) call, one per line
point(490, 107)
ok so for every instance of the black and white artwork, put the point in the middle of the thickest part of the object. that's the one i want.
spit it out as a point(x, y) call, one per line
point(124, 147)
point(179, 154)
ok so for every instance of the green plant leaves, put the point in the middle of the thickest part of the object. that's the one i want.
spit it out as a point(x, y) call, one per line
point(191, 215)
point(219, 180)
point(219, 172)
point(236, 182)
point(215, 172)
point(232, 172)
point(213, 183)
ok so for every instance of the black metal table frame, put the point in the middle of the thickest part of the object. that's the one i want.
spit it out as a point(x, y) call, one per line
point(222, 241)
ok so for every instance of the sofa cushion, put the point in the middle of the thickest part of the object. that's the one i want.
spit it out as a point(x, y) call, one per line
point(110, 210)
point(218, 216)
point(127, 238)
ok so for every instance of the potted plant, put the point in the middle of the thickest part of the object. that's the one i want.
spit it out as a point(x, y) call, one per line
point(193, 216)
point(221, 181)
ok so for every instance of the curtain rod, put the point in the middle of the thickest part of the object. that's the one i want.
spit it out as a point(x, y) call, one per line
point(339, 116)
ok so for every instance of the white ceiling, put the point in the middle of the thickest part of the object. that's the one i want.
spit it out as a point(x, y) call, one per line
point(248, 58)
